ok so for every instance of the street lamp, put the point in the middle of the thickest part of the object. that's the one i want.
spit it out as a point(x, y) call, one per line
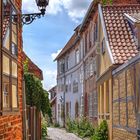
point(29, 18)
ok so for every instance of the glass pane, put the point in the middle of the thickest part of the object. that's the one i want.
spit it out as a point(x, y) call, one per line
point(6, 66)
point(14, 49)
point(14, 33)
point(6, 40)
point(6, 101)
point(14, 96)
point(14, 69)
point(6, 24)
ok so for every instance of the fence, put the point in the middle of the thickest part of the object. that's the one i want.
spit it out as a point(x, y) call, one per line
point(33, 123)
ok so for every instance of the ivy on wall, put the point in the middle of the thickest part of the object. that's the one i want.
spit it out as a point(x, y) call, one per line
point(35, 94)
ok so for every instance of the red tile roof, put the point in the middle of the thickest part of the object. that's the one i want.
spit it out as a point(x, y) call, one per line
point(120, 35)
point(32, 67)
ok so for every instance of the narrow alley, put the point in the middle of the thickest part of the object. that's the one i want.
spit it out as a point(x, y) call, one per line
point(60, 134)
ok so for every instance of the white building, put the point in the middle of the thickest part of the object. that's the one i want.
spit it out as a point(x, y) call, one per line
point(70, 80)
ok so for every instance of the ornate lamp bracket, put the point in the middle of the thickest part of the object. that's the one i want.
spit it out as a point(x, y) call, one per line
point(29, 18)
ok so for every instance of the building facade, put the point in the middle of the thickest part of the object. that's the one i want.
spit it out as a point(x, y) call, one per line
point(78, 65)
point(105, 60)
point(88, 37)
point(11, 71)
point(53, 103)
point(69, 80)
point(118, 45)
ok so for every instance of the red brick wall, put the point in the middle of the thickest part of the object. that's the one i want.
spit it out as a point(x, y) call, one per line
point(11, 124)
point(33, 68)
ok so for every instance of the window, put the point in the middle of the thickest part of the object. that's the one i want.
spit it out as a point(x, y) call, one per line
point(103, 46)
point(14, 96)
point(6, 40)
point(9, 57)
point(77, 56)
point(76, 110)
point(91, 69)
point(61, 66)
point(6, 65)
point(66, 88)
point(6, 97)
point(95, 31)
point(67, 62)
point(14, 69)
point(75, 87)
point(89, 38)
point(95, 104)
point(86, 40)
point(67, 109)
point(90, 106)
point(14, 49)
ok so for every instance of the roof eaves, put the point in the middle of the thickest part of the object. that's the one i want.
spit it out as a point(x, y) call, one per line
point(86, 16)
point(105, 33)
point(71, 46)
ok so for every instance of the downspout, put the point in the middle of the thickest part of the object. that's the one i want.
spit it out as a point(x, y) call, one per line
point(24, 113)
point(1, 23)
point(64, 98)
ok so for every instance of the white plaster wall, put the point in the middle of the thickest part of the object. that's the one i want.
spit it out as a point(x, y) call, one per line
point(75, 72)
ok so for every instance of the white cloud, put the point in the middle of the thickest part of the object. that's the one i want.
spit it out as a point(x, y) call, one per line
point(74, 8)
point(49, 78)
point(54, 55)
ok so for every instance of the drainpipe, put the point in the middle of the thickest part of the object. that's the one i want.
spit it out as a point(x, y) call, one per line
point(64, 98)
point(1, 23)
point(24, 113)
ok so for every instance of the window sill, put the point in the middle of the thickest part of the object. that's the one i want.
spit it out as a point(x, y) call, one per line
point(9, 112)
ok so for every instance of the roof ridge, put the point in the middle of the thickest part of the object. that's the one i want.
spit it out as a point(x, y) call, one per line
point(119, 5)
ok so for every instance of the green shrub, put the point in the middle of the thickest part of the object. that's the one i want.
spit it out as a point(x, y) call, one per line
point(44, 129)
point(56, 125)
point(81, 127)
point(101, 132)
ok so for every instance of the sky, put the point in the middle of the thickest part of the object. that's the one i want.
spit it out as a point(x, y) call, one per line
point(45, 37)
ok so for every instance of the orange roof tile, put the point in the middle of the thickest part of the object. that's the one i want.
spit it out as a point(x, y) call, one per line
point(32, 67)
point(120, 35)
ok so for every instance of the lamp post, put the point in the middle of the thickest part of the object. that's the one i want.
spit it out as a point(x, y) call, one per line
point(29, 18)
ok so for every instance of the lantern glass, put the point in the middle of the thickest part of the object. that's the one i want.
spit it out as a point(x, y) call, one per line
point(42, 3)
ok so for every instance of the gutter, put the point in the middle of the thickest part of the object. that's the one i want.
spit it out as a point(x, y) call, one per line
point(75, 42)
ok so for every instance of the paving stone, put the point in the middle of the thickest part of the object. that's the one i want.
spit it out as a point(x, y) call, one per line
point(60, 134)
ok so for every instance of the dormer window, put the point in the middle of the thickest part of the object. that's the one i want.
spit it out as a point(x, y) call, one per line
point(134, 24)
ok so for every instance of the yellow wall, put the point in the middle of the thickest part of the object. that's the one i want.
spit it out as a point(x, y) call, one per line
point(104, 59)
point(103, 102)
point(104, 86)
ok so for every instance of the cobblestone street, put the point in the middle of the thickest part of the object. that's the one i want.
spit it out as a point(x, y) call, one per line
point(60, 134)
